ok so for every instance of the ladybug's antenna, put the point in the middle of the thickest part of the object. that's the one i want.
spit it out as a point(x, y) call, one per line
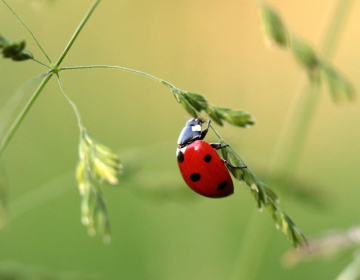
point(205, 117)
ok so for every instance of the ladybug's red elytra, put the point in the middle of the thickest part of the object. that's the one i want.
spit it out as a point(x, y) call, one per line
point(200, 165)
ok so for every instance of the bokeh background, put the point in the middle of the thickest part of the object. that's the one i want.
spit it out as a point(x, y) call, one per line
point(160, 228)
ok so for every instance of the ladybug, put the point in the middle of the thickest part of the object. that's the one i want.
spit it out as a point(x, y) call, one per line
point(200, 165)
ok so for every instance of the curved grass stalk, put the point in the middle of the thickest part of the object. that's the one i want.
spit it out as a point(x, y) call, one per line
point(41, 63)
point(73, 105)
point(112, 67)
point(28, 29)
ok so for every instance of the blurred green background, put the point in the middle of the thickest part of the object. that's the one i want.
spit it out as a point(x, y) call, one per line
point(160, 228)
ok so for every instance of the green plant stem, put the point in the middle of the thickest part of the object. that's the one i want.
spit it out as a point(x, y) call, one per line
point(41, 63)
point(286, 156)
point(163, 82)
point(73, 105)
point(335, 28)
point(167, 84)
point(77, 32)
point(112, 67)
point(28, 29)
point(125, 69)
point(10, 133)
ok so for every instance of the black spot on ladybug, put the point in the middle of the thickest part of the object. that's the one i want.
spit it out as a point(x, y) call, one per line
point(222, 186)
point(195, 177)
point(207, 158)
point(180, 156)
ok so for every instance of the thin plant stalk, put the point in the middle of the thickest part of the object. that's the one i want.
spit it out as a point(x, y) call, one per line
point(28, 29)
point(111, 67)
point(41, 63)
point(286, 157)
point(77, 32)
point(163, 82)
point(73, 105)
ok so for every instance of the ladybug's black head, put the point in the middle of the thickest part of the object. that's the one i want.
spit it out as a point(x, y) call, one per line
point(191, 131)
point(194, 122)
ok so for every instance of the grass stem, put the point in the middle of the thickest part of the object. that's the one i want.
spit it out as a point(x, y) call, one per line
point(111, 67)
point(73, 105)
point(77, 32)
point(41, 63)
point(28, 29)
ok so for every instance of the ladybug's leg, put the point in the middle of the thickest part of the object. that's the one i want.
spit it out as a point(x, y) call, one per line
point(218, 146)
point(232, 166)
point(205, 131)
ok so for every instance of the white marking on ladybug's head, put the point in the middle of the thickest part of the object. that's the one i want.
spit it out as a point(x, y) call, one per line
point(183, 149)
point(196, 128)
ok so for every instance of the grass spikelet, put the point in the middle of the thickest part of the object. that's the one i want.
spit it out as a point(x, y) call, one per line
point(16, 51)
point(97, 163)
point(318, 70)
point(273, 26)
point(264, 197)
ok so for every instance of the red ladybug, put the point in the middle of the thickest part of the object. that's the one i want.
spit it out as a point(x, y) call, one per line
point(200, 165)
